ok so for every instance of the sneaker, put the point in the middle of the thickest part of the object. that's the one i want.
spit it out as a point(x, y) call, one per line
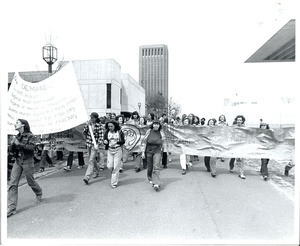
point(121, 170)
point(265, 178)
point(170, 160)
point(67, 168)
point(150, 181)
point(41, 170)
point(183, 172)
point(38, 199)
point(286, 172)
point(242, 176)
point(96, 175)
point(11, 212)
point(231, 170)
point(190, 164)
point(138, 170)
point(156, 187)
point(213, 175)
point(80, 167)
point(114, 186)
point(86, 181)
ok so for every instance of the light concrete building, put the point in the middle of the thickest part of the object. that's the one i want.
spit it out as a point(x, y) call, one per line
point(133, 95)
point(154, 69)
point(101, 86)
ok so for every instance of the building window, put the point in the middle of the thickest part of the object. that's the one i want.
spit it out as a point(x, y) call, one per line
point(108, 95)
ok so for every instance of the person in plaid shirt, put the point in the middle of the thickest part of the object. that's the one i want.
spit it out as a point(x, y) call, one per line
point(92, 150)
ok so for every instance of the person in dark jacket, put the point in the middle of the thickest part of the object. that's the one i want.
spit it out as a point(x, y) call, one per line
point(22, 146)
point(113, 141)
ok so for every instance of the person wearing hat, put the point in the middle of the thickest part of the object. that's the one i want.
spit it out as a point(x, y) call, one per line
point(22, 146)
point(152, 146)
point(93, 148)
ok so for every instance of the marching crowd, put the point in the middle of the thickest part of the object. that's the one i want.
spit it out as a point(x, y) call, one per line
point(105, 140)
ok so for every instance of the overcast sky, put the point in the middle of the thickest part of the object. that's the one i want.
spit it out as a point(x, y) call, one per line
point(208, 41)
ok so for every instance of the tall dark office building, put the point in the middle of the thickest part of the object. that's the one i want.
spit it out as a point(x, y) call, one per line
point(153, 70)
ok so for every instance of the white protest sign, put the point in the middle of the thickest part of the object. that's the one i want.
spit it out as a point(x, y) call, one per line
point(52, 105)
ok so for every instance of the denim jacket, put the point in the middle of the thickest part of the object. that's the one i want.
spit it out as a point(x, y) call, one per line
point(25, 149)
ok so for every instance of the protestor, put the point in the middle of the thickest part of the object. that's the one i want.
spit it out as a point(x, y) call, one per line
point(288, 167)
point(150, 119)
point(212, 161)
point(164, 121)
point(222, 122)
point(120, 119)
point(202, 122)
point(184, 158)
point(22, 146)
point(240, 122)
point(152, 145)
point(191, 118)
point(142, 121)
point(143, 161)
point(108, 117)
point(70, 160)
point(177, 121)
point(135, 120)
point(196, 121)
point(232, 160)
point(45, 158)
point(264, 161)
point(113, 116)
point(113, 140)
point(101, 153)
point(97, 131)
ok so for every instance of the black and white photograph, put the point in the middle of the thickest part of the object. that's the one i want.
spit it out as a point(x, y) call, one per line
point(138, 122)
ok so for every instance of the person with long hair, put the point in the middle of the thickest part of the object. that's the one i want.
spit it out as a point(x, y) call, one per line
point(150, 119)
point(239, 121)
point(264, 161)
point(211, 161)
point(152, 145)
point(121, 120)
point(184, 158)
point(113, 140)
point(22, 146)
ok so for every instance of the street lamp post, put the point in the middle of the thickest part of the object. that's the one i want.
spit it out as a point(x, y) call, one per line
point(49, 55)
point(139, 104)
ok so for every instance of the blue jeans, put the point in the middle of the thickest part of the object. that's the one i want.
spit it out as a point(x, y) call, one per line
point(114, 157)
point(19, 166)
point(92, 164)
point(153, 162)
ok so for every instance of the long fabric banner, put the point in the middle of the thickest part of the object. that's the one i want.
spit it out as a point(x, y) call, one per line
point(52, 105)
point(227, 141)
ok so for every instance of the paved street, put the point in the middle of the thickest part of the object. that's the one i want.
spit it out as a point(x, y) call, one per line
point(189, 208)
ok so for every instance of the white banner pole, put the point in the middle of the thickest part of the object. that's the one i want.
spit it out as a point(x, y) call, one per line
point(92, 134)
